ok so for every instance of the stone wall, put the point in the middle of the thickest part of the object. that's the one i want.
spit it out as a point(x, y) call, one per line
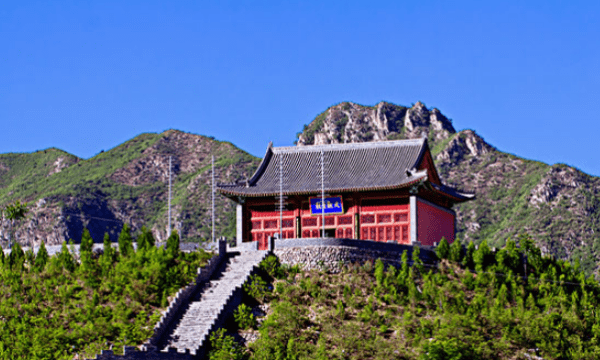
point(332, 254)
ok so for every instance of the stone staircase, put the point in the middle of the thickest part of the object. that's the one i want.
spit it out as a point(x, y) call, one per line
point(184, 334)
point(210, 307)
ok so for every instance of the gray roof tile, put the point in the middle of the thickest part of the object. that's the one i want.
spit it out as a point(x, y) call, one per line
point(348, 167)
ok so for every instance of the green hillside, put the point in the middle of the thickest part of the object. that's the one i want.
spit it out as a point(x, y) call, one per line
point(126, 184)
point(472, 305)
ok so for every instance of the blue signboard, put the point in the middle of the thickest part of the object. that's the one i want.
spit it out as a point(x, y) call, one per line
point(333, 205)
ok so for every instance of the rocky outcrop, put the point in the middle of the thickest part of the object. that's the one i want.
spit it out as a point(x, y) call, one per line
point(466, 143)
point(560, 182)
point(349, 122)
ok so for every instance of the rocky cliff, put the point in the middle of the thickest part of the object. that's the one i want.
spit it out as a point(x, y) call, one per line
point(558, 205)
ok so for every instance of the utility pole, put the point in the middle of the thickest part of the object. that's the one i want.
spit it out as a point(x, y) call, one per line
point(323, 192)
point(213, 197)
point(281, 197)
point(169, 211)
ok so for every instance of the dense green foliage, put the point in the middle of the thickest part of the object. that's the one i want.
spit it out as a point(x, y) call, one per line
point(474, 304)
point(54, 307)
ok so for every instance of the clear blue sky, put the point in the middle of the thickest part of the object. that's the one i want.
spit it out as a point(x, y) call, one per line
point(86, 76)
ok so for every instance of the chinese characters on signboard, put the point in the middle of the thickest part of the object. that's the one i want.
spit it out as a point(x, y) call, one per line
point(333, 205)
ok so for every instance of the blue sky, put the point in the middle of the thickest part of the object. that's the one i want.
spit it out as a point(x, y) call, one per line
point(87, 76)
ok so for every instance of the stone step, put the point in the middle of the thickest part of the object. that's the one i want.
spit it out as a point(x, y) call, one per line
point(196, 323)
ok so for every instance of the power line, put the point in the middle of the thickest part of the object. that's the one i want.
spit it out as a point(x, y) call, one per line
point(93, 217)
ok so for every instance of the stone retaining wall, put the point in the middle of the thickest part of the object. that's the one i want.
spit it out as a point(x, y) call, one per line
point(332, 254)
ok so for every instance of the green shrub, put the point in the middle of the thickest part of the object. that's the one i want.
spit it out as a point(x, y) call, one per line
point(224, 347)
point(244, 318)
point(272, 267)
point(256, 287)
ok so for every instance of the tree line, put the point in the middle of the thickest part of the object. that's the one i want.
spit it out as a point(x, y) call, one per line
point(53, 307)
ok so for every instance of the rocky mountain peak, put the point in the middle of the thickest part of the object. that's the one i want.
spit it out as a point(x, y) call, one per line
point(349, 122)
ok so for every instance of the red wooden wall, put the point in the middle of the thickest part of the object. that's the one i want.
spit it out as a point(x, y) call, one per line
point(433, 224)
point(385, 223)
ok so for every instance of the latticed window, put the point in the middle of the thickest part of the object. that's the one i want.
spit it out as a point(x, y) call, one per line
point(309, 222)
point(365, 233)
point(380, 237)
point(400, 217)
point(397, 233)
point(345, 220)
point(256, 225)
point(315, 233)
point(287, 223)
point(388, 233)
point(270, 224)
point(330, 220)
point(339, 233)
point(384, 218)
point(405, 233)
point(305, 233)
point(367, 219)
point(373, 233)
point(348, 233)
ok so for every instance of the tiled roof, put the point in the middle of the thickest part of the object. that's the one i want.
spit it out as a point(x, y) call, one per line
point(348, 167)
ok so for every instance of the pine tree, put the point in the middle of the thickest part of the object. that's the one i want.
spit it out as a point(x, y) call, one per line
point(107, 258)
point(146, 239)
point(86, 242)
point(456, 251)
point(66, 258)
point(125, 241)
point(16, 257)
point(42, 257)
point(508, 258)
point(443, 249)
point(483, 256)
point(173, 244)
point(416, 258)
point(469, 260)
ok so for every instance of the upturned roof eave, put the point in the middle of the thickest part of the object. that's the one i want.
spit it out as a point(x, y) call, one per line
point(454, 194)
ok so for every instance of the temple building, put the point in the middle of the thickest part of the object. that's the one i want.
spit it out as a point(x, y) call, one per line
point(380, 191)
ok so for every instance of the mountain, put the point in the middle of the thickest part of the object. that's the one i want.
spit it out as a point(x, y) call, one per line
point(558, 205)
point(128, 183)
